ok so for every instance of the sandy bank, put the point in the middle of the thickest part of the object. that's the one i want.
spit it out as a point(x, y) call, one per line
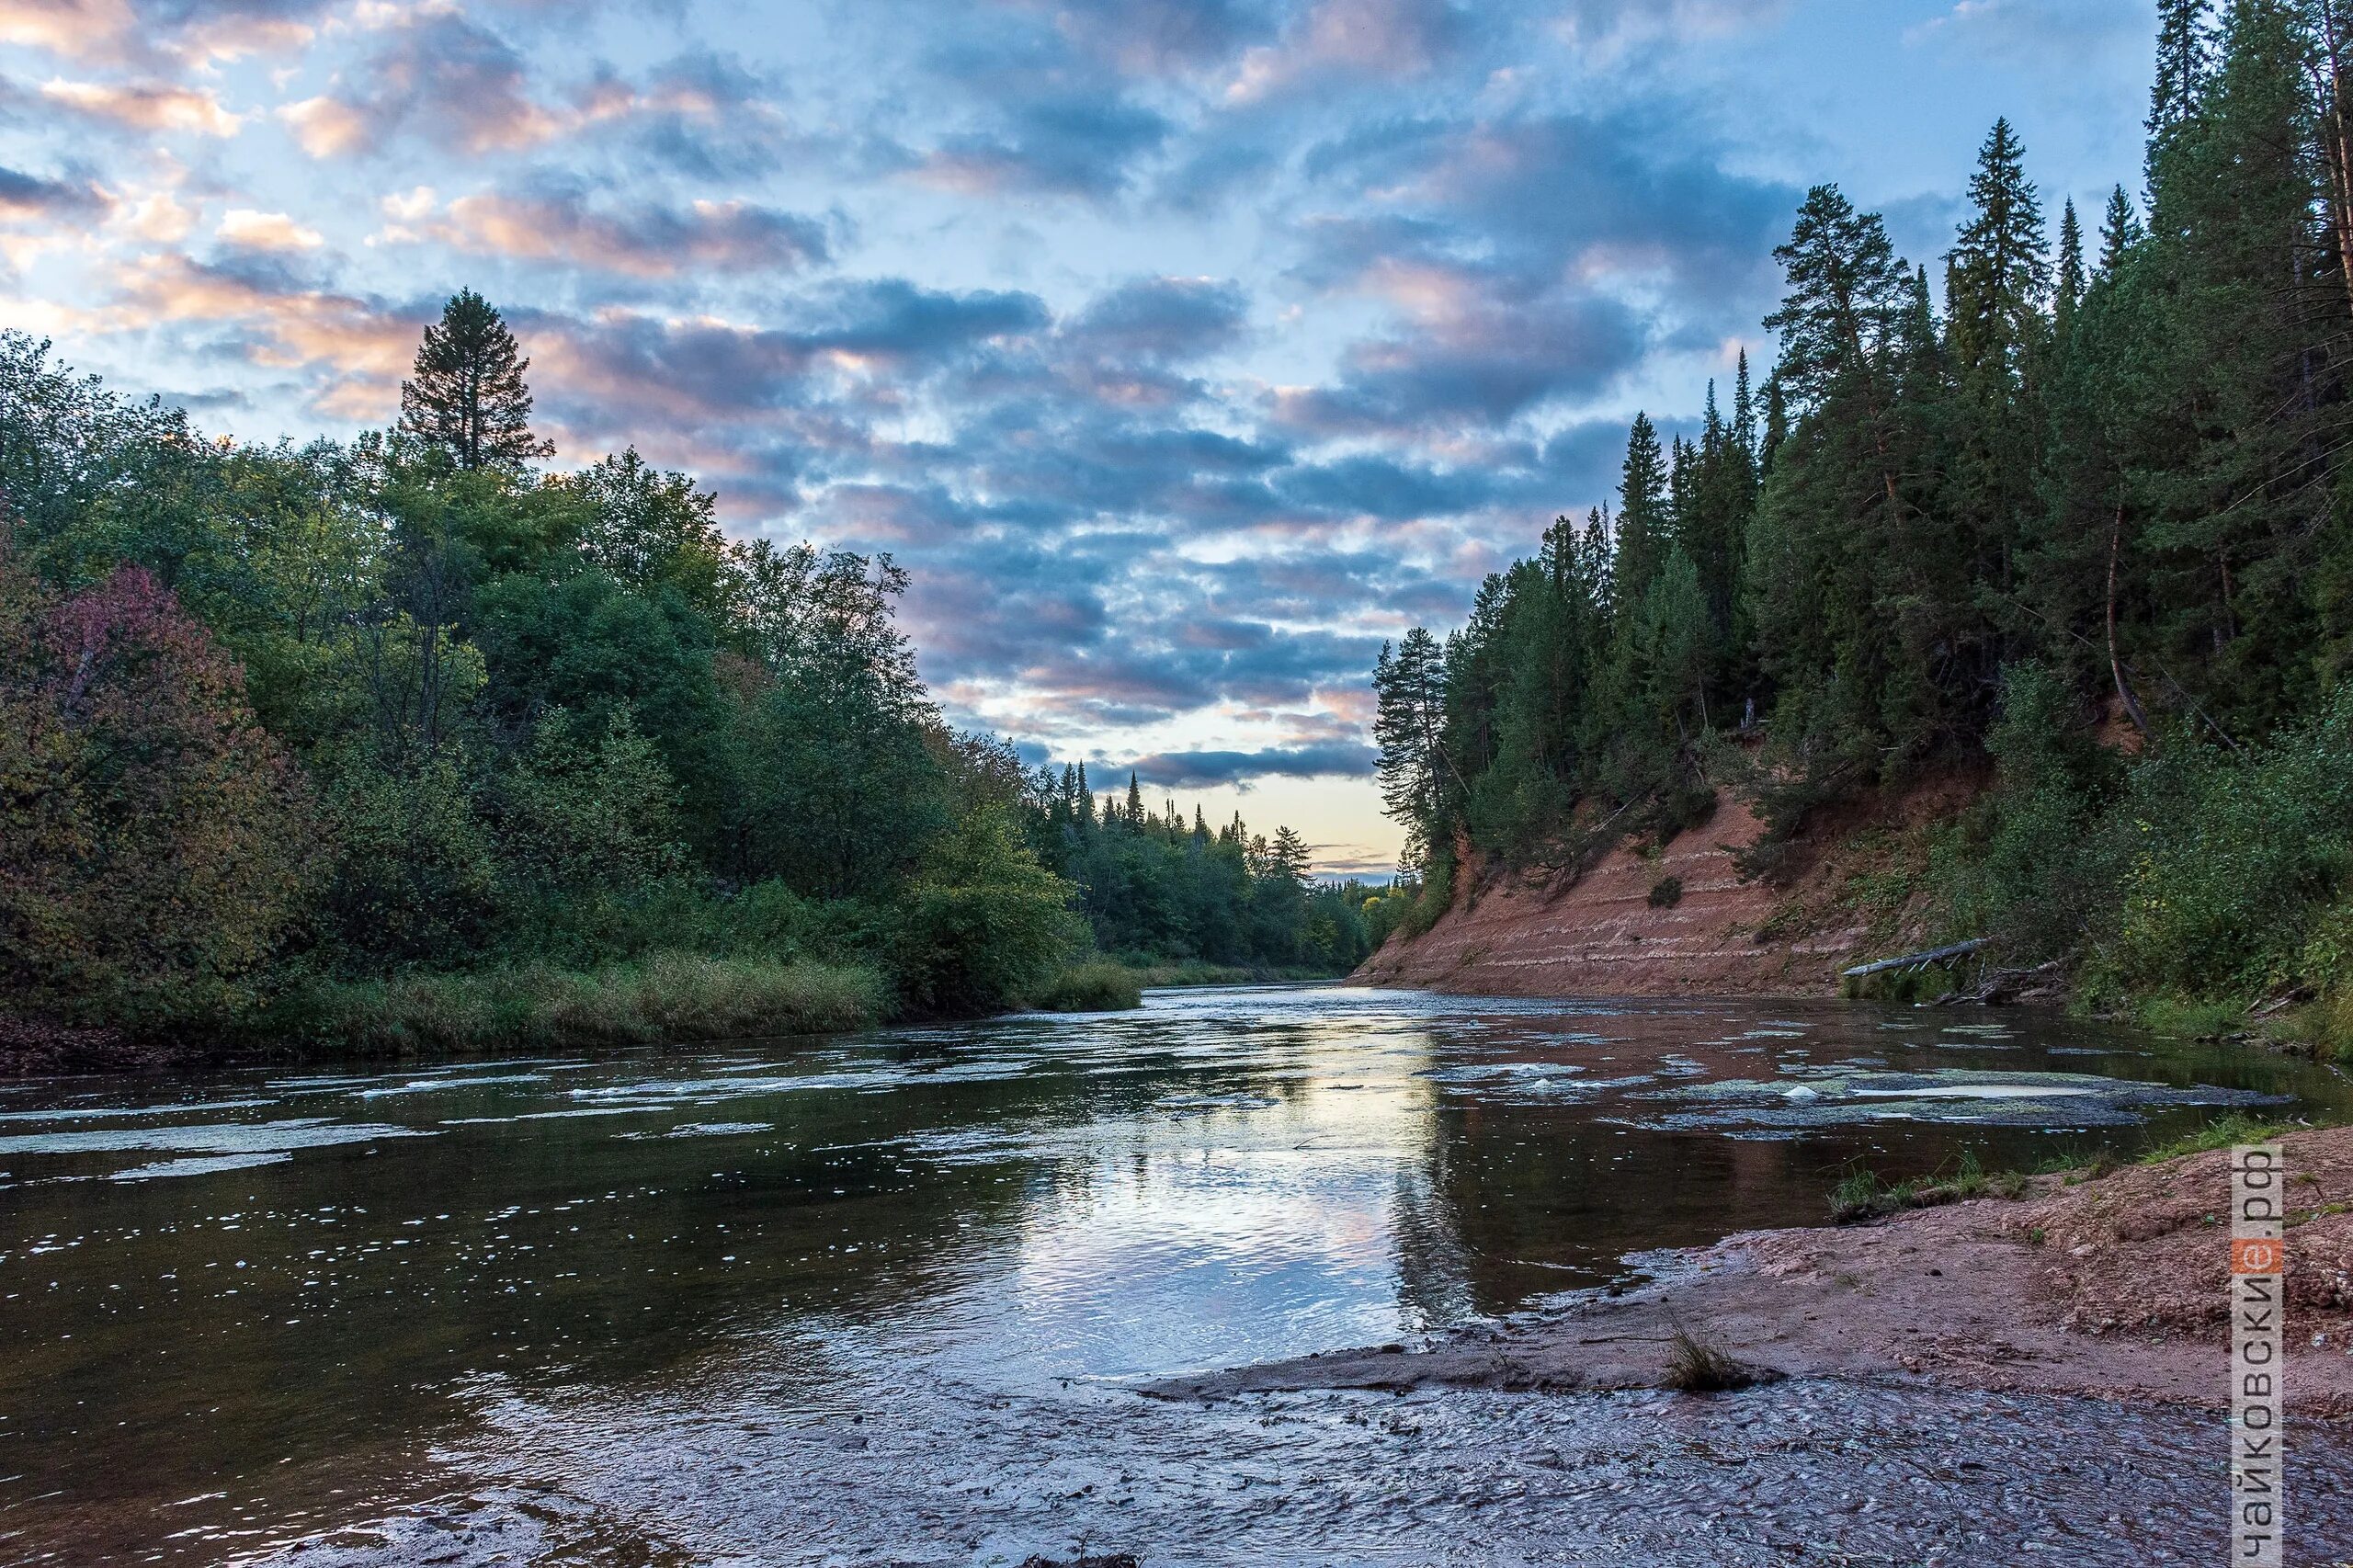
point(2110, 1287)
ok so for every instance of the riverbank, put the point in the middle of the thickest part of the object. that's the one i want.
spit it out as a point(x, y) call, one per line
point(1692, 917)
point(2110, 1285)
point(664, 998)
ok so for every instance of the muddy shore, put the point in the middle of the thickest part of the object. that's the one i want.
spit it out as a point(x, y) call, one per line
point(2111, 1286)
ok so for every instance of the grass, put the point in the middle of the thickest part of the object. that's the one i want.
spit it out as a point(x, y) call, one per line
point(1200, 972)
point(1696, 1366)
point(1099, 985)
point(2190, 1020)
point(1862, 1194)
point(2235, 1129)
point(2325, 1025)
point(665, 996)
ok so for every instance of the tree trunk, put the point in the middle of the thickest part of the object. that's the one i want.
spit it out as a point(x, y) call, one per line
point(2115, 664)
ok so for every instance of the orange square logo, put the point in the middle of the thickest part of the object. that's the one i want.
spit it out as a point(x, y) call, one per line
point(2257, 1255)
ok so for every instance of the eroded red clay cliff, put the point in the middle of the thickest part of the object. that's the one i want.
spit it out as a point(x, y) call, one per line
point(1600, 934)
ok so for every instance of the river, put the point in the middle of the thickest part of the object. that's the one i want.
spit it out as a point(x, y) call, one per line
point(885, 1298)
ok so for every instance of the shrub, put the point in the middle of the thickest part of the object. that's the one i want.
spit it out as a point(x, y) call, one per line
point(155, 843)
point(1437, 894)
point(414, 875)
point(985, 923)
point(2028, 868)
point(1666, 893)
point(2232, 863)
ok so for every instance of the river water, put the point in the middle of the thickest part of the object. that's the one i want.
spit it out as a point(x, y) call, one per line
point(885, 1300)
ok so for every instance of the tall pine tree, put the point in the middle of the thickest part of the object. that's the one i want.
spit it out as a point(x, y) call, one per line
point(466, 396)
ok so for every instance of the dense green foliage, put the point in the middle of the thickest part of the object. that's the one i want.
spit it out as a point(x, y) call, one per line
point(405, 742)
point(2090, 518)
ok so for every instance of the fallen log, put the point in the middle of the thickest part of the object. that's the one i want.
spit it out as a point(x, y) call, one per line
point(1916, 961)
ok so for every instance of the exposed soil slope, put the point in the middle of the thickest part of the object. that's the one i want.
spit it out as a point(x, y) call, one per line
point(1844, 896)
point(2112, 1287)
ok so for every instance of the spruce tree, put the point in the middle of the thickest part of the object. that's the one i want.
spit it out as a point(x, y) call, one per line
point(1409, 725)
point(468, 397)
point(1644, 520)
point(1743, 411)
point(2119, 231)
point(2068, 292)
point(2184, 61)
point(1999, 278)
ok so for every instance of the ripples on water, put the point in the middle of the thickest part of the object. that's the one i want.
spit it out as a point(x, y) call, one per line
point(876, 1301)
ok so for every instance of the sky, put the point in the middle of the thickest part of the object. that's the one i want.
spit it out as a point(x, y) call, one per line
point(1183, 350)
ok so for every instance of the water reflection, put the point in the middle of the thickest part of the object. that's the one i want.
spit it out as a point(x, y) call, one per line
point(238, 1309)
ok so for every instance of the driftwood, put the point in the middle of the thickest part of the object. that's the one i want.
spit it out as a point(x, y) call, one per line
point(1916, 961)
point(1999, 985)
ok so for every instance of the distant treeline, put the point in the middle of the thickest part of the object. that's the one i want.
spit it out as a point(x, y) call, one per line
point(2076, 503)
point(1152, 885)
point(285, 731)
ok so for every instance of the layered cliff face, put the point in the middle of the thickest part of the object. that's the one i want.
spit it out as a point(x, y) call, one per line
point(1850, 894)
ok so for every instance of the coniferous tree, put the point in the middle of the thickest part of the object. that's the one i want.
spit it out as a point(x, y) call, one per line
point(2068, 284)
point(1409, 726)
point(2119, 231)
point(466, 396)
point(1644, 521)
point(2185, 59)
point(2000, 279)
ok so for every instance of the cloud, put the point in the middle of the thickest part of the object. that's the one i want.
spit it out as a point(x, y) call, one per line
point(1194, 769)
point(1376, 39)
point(463, 88)
point(77, 29)
point(2054, 36)
point(32, 198)
point(145, 105)
point(645, 241)
point(327, 127)
point(1072, 146)
point(1163, 319)
point(1522, 262)
point(265, 231)
point(1155, 38)
point(352, 348)
point(1605, 32)
point(624, 367)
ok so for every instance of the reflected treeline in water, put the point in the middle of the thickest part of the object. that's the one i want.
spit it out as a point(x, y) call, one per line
point(237, 1308)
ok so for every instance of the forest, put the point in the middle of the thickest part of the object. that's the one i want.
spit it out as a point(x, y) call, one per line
point(2072, 515)
point(407, 743)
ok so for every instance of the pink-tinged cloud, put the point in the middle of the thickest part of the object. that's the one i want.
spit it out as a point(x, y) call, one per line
point(326, 128)
point(722, 236)
point(1356, 38)
point(157, 107)
point(357, 349)
point(80, 30)
point(253, 230)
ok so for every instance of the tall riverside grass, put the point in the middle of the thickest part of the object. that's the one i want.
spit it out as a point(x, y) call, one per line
point(1099, 985)
point(665, 996)
point(1200, 972)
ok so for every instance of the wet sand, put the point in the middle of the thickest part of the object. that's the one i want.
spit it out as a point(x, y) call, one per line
point(2110, 1287)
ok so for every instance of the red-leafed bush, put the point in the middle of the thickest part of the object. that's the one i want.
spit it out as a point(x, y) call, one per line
point(154, 841)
